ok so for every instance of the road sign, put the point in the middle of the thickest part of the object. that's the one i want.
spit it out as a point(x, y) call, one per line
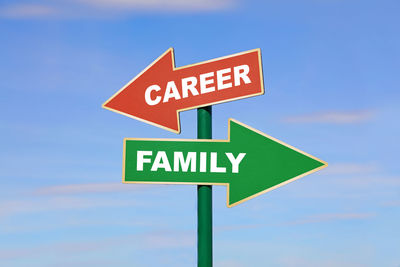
point(249, 162)
point(161, 91)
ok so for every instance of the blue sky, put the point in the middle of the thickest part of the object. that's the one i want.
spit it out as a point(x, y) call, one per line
point(331, 72)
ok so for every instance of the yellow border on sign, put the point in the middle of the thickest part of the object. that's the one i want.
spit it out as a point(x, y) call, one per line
point(258, 50)
point(325, 164)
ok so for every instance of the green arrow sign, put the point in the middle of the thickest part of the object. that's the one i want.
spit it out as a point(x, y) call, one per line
point(250, 162)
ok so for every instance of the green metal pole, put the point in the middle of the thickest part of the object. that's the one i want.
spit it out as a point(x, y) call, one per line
point(204, 197)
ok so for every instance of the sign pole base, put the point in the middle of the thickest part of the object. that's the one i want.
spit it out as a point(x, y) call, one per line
point(204, 197)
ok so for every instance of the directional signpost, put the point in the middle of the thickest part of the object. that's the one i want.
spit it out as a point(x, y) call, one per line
point(161, 91)
point(249, 162)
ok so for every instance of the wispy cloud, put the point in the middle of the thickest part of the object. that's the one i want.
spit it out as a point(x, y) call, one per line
point(229, 263)
point(319, 218)
point(238, 227)
point(109, 8)
point(296, 261)
point(27, 11)
point(78, 197)
point(350, 168)
point(90, 188)
point(59, 203)
point(333, 117)
point(362, 181)
point(168, 239)
point(358, 188)
point(161, 239)
point(160, 5)
point(153, 240)
point(393, 203)
point(151, 221)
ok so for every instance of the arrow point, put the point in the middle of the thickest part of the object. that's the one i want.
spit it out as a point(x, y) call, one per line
point(270, 163)
point(163, 65)
point(130, 99)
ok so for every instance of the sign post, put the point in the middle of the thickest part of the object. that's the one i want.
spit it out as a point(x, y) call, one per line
point(249, 162)
point(204, 197)
point(161, 91)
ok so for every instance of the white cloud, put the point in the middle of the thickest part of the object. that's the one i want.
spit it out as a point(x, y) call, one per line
point(229, 263)
point(27, 11)
point(153, 240)
point(360, 186)
point(393, 203)
point(349, 168)
point(319, 218)
point(109, 8)
point(79, 197)
point(167, 239)
point(333, 117)
point(365, 180)
point(296, 261)
point(66, 222)
point(238, 227)
point(332, 217)
point(90, 188)
point(161, 5)
point(59, 203)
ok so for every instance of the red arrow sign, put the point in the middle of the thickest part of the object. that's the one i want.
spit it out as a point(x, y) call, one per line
point(161, 91)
